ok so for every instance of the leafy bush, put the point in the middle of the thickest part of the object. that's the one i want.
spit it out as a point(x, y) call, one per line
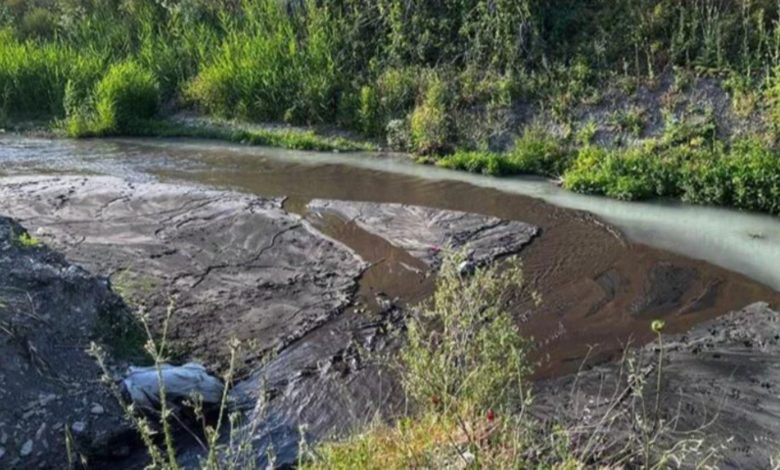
point(755, 176)
point(586, 174)
point(126, 94)
point(38, 23)
point(538, 152)
point(463, 365)
point(477, 161)
point(746, 176)
point(430, 121)
point(32, 77)
point(125, 97)
point(707, 180)
point(634, 173)
point(463, 349)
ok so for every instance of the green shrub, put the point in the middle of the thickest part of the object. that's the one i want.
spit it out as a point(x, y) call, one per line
point(755, 176)
point(38, 23)
point(707, 180)
point(128, 93)
point(120, 102)
point(635, 173)
point(463, 364)
point(430, 120)
point(538, 152)
point(586, 174)
point(463, 347)
point(32, 77)
point(746, 176)
point(477, 161)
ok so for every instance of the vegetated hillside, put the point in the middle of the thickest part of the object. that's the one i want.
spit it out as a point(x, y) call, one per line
point(628, 98)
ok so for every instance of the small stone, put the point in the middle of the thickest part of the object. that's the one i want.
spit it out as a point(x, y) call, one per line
point(27, 448)
point(40, 431)
point(97, 409)
point(466, 268)
point(44, 399)
point(78, 427)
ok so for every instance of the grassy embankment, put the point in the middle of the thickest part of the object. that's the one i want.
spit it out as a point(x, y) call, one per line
point(435, 78)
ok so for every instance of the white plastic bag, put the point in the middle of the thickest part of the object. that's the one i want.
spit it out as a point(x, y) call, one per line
point(142, 384)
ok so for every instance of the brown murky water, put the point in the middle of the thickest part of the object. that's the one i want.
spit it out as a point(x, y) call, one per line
point(599, 291)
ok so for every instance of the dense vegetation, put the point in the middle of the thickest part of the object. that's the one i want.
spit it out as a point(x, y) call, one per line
point(434, 77)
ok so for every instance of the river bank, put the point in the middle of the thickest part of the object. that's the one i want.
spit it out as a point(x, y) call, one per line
point(276, 187)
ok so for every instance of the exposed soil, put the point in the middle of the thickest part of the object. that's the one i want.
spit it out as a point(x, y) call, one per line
point(50, 311)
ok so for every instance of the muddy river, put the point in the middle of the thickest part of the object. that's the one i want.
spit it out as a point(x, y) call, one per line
point(604, 269)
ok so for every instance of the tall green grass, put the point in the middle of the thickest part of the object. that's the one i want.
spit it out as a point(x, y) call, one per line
point(269, 68)
point(360, 63)
point(122, 100)
point(32, 77)
point(409, 72)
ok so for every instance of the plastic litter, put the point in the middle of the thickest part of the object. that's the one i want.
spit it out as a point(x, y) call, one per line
point(142, 384)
